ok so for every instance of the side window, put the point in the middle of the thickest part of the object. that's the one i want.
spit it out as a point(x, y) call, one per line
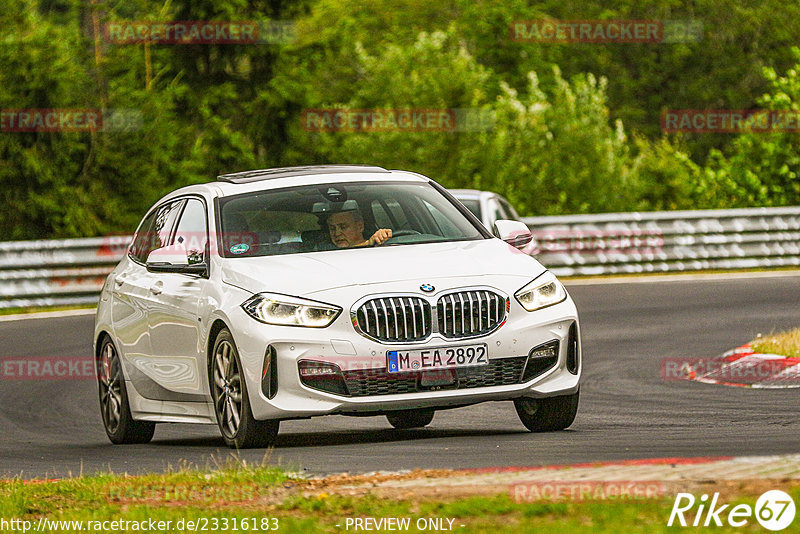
point(191, 230)
point(140, 245)
point(511, 213)
point(155, 230)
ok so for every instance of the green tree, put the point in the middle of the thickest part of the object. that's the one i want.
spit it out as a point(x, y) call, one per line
point(549, 151)
point(761, 168)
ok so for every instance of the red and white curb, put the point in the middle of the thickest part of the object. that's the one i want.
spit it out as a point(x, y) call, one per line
point(741, 367)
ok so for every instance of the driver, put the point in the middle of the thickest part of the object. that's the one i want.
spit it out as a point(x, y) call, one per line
point(347, 230)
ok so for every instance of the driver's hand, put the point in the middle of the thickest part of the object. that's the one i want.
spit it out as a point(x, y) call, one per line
point(380, 237)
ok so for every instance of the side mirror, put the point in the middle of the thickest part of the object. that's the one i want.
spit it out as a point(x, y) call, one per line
point(515, 233)
point(173, 259)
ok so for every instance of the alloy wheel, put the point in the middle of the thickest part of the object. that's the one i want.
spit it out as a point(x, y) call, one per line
point(110, 379)
point(227, 389)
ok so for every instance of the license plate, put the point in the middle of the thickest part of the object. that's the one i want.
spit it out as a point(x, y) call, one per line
point(403, 361)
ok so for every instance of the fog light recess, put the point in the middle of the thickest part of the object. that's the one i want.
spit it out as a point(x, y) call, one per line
point(323, 376)
point(540, 359)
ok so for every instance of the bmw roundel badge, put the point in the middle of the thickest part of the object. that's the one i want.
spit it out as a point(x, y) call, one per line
point(427, 288)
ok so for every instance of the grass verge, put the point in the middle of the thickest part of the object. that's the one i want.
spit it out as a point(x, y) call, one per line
point(241, 496)
point(783, 343)
point(38, 309)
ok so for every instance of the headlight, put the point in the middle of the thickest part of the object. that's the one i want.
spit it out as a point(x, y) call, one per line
point(544, 291)
point(284, 310)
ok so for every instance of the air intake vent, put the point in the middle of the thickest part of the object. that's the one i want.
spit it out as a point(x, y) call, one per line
point(572, 349)
point(370, 382)
point(470, 313)
point(398, 319)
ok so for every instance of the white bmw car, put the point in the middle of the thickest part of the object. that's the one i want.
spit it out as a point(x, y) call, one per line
point(304, 291)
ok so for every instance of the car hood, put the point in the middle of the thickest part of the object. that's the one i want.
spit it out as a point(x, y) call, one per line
point(308, 273)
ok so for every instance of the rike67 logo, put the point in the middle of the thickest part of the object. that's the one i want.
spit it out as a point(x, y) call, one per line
point(774, 510)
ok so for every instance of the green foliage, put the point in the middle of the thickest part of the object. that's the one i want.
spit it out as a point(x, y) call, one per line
point(399, 77)
point(553, 151)
point(549, 151)
point(665, 175)
point(575, 125)
point(761, 169)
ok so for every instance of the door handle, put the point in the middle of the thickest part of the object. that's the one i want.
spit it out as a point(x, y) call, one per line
point(156, 288)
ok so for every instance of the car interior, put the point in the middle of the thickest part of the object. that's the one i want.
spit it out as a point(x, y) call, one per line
point(292, 221)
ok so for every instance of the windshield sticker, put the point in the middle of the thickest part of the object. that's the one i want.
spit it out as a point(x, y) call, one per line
point(240, 248)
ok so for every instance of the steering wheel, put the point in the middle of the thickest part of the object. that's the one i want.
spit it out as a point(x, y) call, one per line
point(399, 233)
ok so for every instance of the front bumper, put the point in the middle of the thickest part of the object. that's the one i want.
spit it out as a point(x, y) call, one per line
point(370, 389)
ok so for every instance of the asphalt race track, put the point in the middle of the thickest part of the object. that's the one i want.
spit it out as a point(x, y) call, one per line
point(53, 428)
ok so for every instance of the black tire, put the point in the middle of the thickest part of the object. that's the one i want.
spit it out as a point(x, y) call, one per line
point(405, 419)
point(226, 387)
point(115, 408)
point(548, 414)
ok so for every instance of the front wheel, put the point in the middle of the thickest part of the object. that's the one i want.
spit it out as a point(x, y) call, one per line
point(548, 414)
point(404, 419)
point(239, 428)
point(114, 406)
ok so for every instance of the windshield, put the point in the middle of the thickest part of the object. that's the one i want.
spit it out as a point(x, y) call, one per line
point(338, 216)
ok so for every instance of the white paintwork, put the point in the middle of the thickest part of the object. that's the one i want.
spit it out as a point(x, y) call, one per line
point(510, 231)
point(306, 274)
point(163, 335)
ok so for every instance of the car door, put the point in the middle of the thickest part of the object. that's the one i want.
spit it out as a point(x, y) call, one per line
point(131, 298)
point(177, 354)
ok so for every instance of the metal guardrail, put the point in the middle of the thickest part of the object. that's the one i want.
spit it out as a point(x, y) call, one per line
point(72, 271)
point(615, 243)
point(56, 272)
